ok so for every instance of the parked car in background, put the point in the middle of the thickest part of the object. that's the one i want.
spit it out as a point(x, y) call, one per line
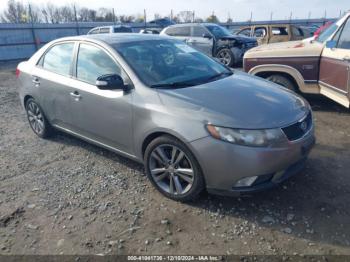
point(193, 122)
point(274, 33)
point(318, 66)
point(152, 31)
point(110, 29)
point(162, 23)
point(322, 28)
point(213, 40)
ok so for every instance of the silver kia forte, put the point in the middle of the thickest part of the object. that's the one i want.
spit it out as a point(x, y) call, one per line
point(193, 122)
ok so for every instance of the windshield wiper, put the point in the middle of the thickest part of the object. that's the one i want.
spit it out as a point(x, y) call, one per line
point(173, 85)
point(220, 75)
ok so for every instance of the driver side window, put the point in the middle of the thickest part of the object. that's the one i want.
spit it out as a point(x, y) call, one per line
point(344, 39)
point(93, 62)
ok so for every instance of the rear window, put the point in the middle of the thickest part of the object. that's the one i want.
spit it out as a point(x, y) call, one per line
point(179, 31)
point(104, 30)
point(281, 30)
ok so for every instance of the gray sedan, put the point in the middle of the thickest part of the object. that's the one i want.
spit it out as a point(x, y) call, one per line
point(194, 123)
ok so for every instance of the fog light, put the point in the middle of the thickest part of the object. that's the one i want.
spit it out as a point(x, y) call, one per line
point(245, 182)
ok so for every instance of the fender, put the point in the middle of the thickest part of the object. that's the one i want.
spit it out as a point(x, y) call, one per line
point(303, 86)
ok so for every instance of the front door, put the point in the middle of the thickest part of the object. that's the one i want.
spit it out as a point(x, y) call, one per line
point(104, 116)
point(201, 40)
point(335, 65)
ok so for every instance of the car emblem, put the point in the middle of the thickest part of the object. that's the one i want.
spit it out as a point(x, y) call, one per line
point(303, 126)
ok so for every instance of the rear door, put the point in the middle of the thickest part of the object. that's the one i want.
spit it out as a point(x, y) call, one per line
point(335, 65)
point(199, 42)
point(52, 77)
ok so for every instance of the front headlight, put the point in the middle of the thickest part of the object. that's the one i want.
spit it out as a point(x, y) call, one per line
point(246, 137)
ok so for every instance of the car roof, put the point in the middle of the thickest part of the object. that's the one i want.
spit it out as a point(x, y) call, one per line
point(194, 24)
point(115, 38)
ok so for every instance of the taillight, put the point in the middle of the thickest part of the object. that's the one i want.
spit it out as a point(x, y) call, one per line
point(17, 72)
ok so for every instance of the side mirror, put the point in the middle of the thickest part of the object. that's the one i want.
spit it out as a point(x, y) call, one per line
point(110, 82)
point(206, 35)
point(331, 44)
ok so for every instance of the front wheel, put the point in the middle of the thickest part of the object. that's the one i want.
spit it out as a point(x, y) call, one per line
point(173, 169)
point(37, 119)
point(226, 57)
point(282, 81)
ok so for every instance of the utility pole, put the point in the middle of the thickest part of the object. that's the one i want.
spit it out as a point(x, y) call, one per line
point(32, 22)
point(193, 16)
point(251, 17)
point(291, 16)
point(171, 15)
point(113, 15)
point(76, 19)
point(145, 18)
point(271, 16)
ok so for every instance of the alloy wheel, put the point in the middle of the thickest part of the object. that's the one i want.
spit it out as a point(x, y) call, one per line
point(171, 169)
point(35, 117)
point(225, 57)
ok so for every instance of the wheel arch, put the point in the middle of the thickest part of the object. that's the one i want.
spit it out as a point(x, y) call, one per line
point(287, 71)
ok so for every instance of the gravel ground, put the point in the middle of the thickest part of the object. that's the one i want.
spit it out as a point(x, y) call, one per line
point(65, 196)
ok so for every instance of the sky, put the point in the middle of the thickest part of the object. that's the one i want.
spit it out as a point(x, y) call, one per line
point(238, 10)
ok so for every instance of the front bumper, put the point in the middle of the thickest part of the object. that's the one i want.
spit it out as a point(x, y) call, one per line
point(223, 164)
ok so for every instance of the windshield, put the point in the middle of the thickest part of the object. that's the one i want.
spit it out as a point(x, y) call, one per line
point(327, 33)
point(170, 63)
point(218, 31)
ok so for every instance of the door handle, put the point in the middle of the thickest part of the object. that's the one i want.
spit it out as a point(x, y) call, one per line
point(75, 95)
point(36, 80)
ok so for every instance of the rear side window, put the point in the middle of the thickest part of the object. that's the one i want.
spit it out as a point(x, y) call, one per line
point(199, 31)
point(179, 31)
point(59, 59)
point(93, 62)
point(95, 31)
point(104, 30)
point(280, 30)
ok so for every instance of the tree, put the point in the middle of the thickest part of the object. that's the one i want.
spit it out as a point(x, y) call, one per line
point(16, 12)
point(213, 19)
point(186, 16)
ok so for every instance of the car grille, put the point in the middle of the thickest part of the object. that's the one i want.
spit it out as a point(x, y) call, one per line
point(299, 129)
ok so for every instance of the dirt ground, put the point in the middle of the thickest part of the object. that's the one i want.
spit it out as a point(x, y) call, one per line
point(65, 196)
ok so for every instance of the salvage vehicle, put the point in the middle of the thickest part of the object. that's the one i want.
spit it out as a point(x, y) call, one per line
point(110, 29)
point(194, 123)
point(213, 40)
point(317, 66)
point(274, 33)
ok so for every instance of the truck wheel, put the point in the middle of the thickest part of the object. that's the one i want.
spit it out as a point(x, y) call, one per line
point(282, 81)
point(226, 57)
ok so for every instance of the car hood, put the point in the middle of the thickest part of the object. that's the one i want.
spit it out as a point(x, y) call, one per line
point(238, 101)
point(305, 47)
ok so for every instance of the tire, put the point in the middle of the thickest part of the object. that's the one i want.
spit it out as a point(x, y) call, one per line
point(226, 56)
point(37, 120)
point(181, 179)
point(282, 81)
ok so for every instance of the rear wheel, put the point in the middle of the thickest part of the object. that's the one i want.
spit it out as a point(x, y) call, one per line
point(173, 169)
point(37, 119)
point(282, 81)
